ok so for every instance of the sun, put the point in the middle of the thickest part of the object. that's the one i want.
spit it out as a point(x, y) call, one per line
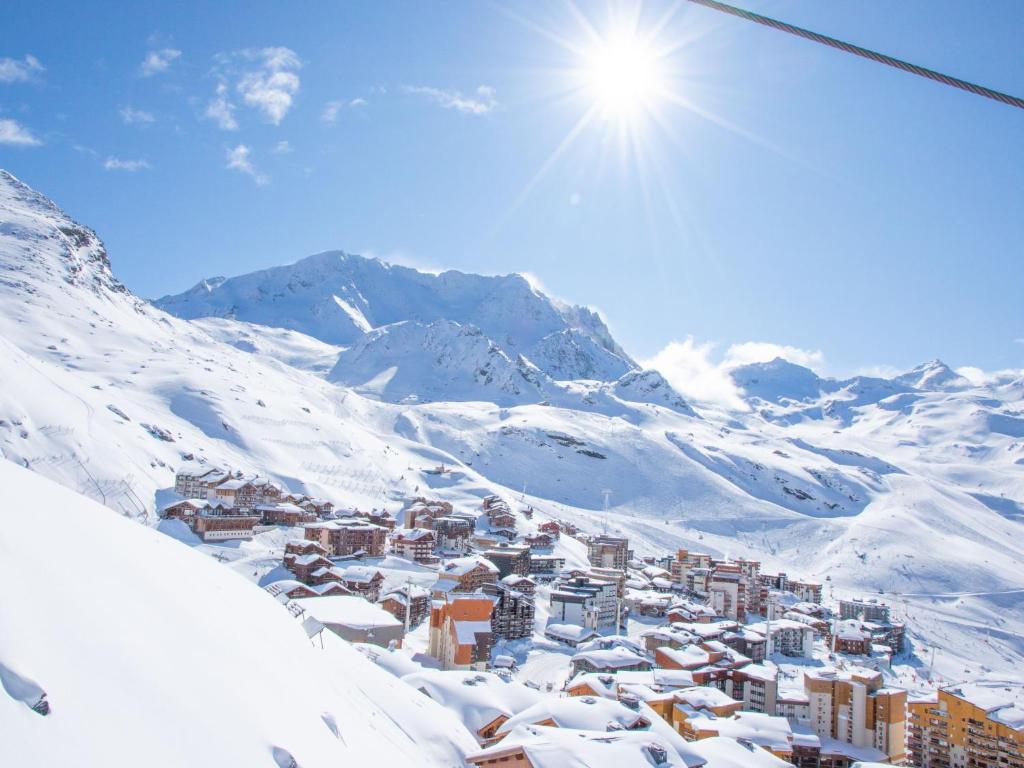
point(623, 74)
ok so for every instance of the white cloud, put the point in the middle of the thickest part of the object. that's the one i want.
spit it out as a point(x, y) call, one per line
point(689, 368)
point(357, 102)
point(131, 116)
point(15, 71)
point(221, 110)
point(763, 351)
point(14, 134)
point(480, 103)
point(272, 87)
point(283, 147)
point(575, 199)
point(117, 164)
point(695, 371)
point(158, 61)
point(331, 110)
point(983, 378)
point(238, 160)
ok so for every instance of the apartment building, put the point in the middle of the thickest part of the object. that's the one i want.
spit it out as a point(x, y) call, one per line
point(977, 724)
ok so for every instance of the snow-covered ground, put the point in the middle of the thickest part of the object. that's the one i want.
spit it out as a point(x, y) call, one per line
point(913, 487)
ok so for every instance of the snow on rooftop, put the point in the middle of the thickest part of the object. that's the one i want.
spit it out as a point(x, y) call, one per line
point(1003, 701)
point(476, 698)
point(348, 611)
point(588, 713)
point(722, 752)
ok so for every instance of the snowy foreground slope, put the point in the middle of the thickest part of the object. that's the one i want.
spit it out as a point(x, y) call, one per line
point(150, 653)
point(912, 486)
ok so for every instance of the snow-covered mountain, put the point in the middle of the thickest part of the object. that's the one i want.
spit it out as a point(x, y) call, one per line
point(914, 488)
point(340, 298)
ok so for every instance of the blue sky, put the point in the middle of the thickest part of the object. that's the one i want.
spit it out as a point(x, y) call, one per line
point(800, 196)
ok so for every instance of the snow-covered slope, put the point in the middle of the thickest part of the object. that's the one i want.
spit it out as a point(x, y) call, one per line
point(877, 484)
point(150, 653)
point(338, 298)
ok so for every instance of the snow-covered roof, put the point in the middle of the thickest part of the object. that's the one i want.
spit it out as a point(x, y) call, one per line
point(704, 697)
point(547, 747)
point(571, 632)
point(347, 611)
point(466, 631)
point(768, 731)
point(1002, 701)
point(588, 713)
point(477, 698)
point(610, 658)
point(722, 752)
point(460, 566)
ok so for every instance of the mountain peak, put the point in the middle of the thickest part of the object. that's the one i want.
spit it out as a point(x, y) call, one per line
point(44, 246)
point(338, 297)
point(933, 374)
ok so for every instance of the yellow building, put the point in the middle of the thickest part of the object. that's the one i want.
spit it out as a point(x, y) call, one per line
point(852, 706)
point(975, 724)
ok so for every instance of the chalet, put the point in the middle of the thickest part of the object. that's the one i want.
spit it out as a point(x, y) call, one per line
point(305, 566)
point(538, 746)
point(348, 537)
point(290, 588)
point(408, 601)
point(267, 491)
point(363, 581)
point(302, 547)
point(481, 700)
point(460, 631)
point(416, 545)
point(550, 528)
point(583, 712)
point(465, 574)
point(356, 620)
point(421, 511)
point(284, 514)
point(609, 660)
point(186, 511)
point(236, 493)
point(220, 524)
point(790, 638)
point(510, 559)
point(572, 635)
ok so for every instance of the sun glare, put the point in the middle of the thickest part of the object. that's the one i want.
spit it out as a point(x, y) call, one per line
point(622, 75)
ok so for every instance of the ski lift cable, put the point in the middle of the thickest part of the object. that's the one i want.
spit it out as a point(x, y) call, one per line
point(881, 58)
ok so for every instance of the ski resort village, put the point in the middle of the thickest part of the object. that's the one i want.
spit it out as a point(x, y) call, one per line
point(647, 474)
point(546, 641)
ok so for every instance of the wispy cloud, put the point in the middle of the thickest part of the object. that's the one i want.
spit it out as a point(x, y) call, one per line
point(221, 110)
point(265, 79)
point(14, 134)
point(272, 87)
point(331, 110)
point(15, 71)
point(283, 147)
point(238, 159)
point(158, 61)
point(482, 101)
point(132, 116)
point(334, 106)
point(119, 164)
